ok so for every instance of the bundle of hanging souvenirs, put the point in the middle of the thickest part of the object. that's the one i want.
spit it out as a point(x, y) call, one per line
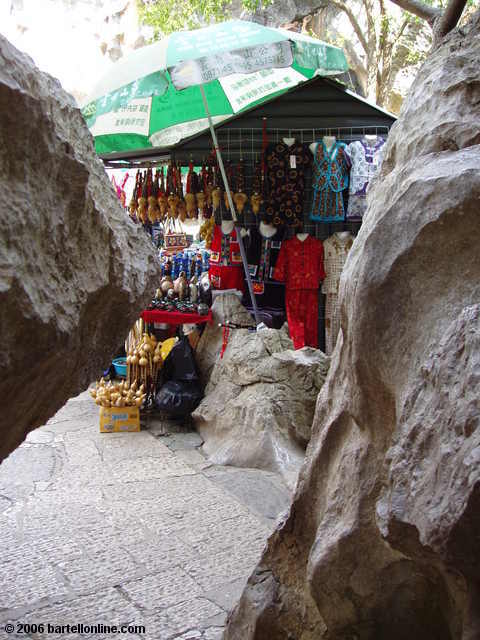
point(160, 197)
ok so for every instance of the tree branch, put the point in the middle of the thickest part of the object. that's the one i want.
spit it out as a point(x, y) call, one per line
point(450, 18)
point(420, 9)
point(354, 23)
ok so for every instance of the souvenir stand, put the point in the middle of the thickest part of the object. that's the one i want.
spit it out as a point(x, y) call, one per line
point(298, 164)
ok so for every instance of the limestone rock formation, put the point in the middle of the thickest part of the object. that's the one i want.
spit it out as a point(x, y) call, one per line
point(74, 271)
point(260, 401)
point(226, 308)
point(383, 536)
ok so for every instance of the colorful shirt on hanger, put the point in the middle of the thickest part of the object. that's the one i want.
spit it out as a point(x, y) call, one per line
point(366, 158)
point(330, 178)
point(286, 166)
point(300, 264)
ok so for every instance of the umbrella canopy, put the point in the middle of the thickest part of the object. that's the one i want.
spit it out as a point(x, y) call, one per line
point(240, 64)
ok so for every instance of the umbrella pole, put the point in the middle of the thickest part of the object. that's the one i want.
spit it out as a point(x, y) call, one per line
point(232, 207)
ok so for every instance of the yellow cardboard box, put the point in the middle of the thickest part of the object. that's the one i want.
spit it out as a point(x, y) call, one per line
point(118, 419)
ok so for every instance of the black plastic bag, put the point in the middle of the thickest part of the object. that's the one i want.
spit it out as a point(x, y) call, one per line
point(178, 399)
point(180, 363)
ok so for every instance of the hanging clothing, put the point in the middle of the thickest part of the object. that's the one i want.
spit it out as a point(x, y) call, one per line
point(336, 249)
point(300, 266)
point(366, 159)
point(262, 255)
point(329, 180)
point(226, 269)
point(286, 166)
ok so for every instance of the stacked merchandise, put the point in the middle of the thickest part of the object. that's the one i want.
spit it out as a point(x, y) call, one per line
point(194, 262)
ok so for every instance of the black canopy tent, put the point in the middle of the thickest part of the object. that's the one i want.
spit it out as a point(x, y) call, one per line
point(308, 110)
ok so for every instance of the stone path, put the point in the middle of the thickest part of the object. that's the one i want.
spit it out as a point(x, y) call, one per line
point(135, 529)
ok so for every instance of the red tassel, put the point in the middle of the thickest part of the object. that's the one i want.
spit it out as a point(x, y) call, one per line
point(225, 336)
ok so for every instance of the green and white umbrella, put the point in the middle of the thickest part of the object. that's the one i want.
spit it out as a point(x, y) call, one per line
point(240, 64)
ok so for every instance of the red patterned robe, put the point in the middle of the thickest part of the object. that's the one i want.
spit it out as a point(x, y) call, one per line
point(226, 269)
point(300, 266)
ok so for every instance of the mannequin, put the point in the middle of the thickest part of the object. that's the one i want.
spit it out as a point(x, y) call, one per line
point(300, 266)
point(226, 271)
point(266, 229)
point(262, 252)
point(366, 156)
point(328, 141)
point(227, 227)
point(329, 179)
point(288, 141)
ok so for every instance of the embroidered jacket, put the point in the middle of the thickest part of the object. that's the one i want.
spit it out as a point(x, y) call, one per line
point(225, 250)
point(300, 264)
point(330, 178)
point(262, 256)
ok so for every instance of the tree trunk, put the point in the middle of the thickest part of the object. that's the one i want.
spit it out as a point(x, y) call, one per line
point(449, 19)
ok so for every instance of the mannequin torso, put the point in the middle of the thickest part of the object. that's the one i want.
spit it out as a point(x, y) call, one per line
point(227, 227)
point(267, 230)
point(302, 236)
point(328, 141)
point(288, 141)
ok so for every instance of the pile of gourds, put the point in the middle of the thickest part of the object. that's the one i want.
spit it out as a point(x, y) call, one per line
point(122, 394)
point(144, 360)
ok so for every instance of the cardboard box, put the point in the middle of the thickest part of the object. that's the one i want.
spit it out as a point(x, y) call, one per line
point(119, 419)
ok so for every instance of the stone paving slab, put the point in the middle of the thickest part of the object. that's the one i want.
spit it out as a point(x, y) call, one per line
point(127, 529)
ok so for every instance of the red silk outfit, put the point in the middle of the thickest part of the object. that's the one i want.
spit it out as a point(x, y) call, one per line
point(300, 266)
point(226, 269)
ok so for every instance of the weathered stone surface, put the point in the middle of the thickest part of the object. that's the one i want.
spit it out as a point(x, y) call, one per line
point(226, 307)
point(74, 272)
point(382, 540)
point(259, 403)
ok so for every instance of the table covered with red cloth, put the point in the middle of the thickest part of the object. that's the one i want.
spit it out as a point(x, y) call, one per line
point(174, 317)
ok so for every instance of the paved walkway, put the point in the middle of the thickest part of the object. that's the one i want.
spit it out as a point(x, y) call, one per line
point(136, 529)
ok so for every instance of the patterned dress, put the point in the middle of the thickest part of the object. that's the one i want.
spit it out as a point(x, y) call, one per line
point(330, 178)
point(300, 266)
point(286, 166)
point(335, 249)
point(366, 158)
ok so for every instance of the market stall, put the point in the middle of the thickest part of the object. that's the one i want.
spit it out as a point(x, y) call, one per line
point(278, 188)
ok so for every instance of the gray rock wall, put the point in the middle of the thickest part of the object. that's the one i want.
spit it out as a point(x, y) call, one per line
point(74, 271)
point(383, 538)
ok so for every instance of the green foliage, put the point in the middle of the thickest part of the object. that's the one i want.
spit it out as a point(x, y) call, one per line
point(165, 17)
